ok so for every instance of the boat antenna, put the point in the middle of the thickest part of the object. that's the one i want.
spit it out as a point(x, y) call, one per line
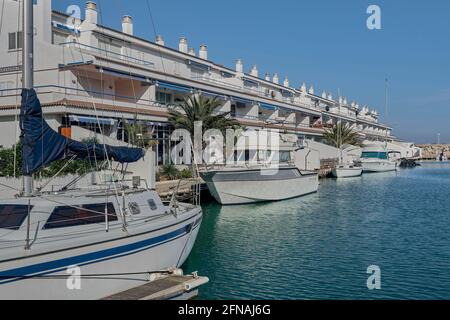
point(27, 69)
point(340, 128)
point(386, 97)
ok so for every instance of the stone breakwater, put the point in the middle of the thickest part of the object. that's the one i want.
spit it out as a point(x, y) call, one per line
point(431, 151)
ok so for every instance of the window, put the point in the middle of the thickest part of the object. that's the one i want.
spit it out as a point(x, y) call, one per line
point(15, 40)
point(134, 208)
point(233, 110)
point(12, 216)
point(152, 204)
point(12, 41)
point(285, 156)
point(375, 155)
point(163, 97)
point(63, 217)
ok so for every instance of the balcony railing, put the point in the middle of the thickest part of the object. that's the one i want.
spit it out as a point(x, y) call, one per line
point(106, 54)
point(253, 91)
point(53, 93)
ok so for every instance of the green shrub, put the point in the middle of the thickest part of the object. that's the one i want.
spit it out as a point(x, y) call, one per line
point(75, 167)
point(169, 171)
point(185, 174)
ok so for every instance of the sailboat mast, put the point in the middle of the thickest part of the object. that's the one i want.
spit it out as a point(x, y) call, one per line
point(28, 67)
point(386, 101)
point(341, 160)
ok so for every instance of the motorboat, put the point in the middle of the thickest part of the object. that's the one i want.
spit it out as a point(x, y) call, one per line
point(281, 175)
point(376, 158)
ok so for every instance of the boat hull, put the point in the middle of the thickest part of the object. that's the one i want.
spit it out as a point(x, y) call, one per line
point(347, 172)
point(118, 265)
point(252, 186)
point(379, 166)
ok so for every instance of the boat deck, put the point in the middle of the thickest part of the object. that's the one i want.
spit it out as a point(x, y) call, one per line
point(172, 287)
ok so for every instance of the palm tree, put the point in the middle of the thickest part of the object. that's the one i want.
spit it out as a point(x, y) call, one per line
point(199, 108)
point(138, 134)
point(340, 135)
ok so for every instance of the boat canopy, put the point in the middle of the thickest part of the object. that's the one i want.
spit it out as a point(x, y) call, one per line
point(42, 146)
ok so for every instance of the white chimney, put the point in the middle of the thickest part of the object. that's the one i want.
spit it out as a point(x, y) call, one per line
point(183, 45)
point(324, 95)
point(160, 40)
point(239, 66)
point(276, 78)
point(330, 96)
point(303, 87)
point(127, 25)
point(311, 90)
point(345, 102)
point(254, 71)
point(203, 53)
point(286, 82)
point(341, 101)
point(267, 77)
point(191, 51)
point(91, 12)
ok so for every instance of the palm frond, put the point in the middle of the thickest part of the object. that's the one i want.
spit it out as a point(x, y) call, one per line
point(340, 135)
point(199, 108)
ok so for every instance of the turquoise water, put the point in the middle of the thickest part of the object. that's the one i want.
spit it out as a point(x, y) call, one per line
point(320, 246)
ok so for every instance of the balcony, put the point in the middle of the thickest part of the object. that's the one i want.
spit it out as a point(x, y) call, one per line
point(97, 52)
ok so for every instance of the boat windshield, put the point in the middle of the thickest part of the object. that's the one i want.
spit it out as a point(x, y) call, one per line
point(375, 155)
point(12, 216)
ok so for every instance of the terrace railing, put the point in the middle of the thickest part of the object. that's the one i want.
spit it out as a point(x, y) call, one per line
point(107, 54)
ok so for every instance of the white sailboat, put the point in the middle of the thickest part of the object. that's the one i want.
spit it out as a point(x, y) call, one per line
point(84, 243)
point(345, 170)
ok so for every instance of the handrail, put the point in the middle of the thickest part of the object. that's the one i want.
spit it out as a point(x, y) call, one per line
point(66, 89)
point(108, 53)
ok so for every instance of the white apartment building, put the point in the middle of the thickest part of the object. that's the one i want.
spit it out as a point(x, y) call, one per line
point(84, 69)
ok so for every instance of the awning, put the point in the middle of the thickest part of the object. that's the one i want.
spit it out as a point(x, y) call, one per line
point(268, 107)
point(65, 27)
point(123, 74)
point(145, 123)
point(92, 120)
point(214, 95)
point(241, 100)
point(174, 87)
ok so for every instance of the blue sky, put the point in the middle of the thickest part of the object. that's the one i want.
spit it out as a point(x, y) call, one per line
point(322, 42)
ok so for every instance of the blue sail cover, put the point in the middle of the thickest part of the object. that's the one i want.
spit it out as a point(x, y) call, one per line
point(42, 146)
